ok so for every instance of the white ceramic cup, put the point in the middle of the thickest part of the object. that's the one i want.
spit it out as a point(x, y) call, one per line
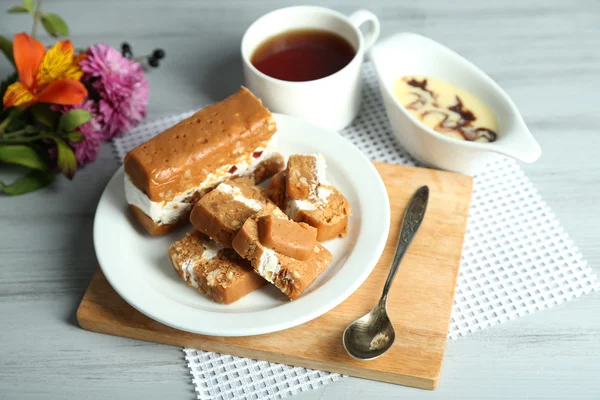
point(331, 102)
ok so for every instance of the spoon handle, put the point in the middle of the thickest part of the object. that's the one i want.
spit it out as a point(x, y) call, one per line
point(410, 225)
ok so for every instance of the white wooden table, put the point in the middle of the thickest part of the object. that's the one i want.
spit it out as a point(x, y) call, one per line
point(546, 54)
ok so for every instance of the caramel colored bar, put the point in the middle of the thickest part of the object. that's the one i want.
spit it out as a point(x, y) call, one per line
point(264, 170)
point(152, 227)
point(276, 189)
point(330, 218)
point(296, 240)
point(288, 274)
point(221, 213)
point(328, 212)
point(219, 273)
point(184, 155)
point(302, 178)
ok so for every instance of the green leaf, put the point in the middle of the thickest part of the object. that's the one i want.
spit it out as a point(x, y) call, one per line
point(22, 155)
point(45, 115)
point(74, 137)
point(29, 5)
point(7, 48)
point(66, 161)
point(72, 119)
point(55, 25)
point(17, 10)
point(30, 182)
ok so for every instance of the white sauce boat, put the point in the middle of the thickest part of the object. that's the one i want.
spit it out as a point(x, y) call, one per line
point(412, 54)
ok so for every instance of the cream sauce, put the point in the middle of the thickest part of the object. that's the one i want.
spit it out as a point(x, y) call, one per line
point(446, 108)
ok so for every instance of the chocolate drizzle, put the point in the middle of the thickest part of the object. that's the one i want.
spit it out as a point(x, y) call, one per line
point(418, 103)
point(421, 85)
point(465, 114)
point(464, 125)
point(489, 134)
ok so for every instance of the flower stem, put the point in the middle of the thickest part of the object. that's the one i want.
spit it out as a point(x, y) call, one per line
point(19, 136)
point(28, 139)
point(36, 18)
point(3, 125)
point(15, 112)
point(24, 131)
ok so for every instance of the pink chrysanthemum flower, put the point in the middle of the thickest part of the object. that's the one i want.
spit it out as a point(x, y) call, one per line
point(121, 85)
point(86, 151)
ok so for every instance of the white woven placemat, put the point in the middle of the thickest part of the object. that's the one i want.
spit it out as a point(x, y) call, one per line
point(516, 260)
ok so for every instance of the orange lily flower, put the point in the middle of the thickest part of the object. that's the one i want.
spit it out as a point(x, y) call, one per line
point(45, 76)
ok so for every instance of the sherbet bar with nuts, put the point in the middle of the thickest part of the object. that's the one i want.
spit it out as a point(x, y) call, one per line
point(290, 275)
point(219, 273)
point(221, 213)
point(166, 175)
point(302, 191)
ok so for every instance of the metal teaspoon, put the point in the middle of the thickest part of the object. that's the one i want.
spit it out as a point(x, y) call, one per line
point(373, 334)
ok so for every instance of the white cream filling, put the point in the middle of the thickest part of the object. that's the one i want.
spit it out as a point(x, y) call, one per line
point(187, 268)
point(323, 193)
point(243, 168)
point(320, 169)
point(268, 264)
point(168, 212)
point(238, 196)
point(164, 212)
point(294, 206)
point(210, 250)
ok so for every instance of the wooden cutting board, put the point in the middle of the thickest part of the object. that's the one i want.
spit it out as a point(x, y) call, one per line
point(419, 303)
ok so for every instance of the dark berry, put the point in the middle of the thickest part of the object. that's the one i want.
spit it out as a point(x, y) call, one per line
point(153, 62)
point(158, 54)
point(126, 50)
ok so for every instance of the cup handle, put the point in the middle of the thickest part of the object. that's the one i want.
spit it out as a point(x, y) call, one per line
point(358, 18)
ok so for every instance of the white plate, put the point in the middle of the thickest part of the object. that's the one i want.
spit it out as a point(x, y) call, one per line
point(138, 268)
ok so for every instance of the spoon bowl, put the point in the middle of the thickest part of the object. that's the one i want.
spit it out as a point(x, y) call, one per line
point(371, 335)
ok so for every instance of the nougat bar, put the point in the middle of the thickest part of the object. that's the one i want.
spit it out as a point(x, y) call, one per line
point(296, 240)
point(290, 275)
point(219, 273)
point(221, 213)
point(302, 191)
point(165, 176)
